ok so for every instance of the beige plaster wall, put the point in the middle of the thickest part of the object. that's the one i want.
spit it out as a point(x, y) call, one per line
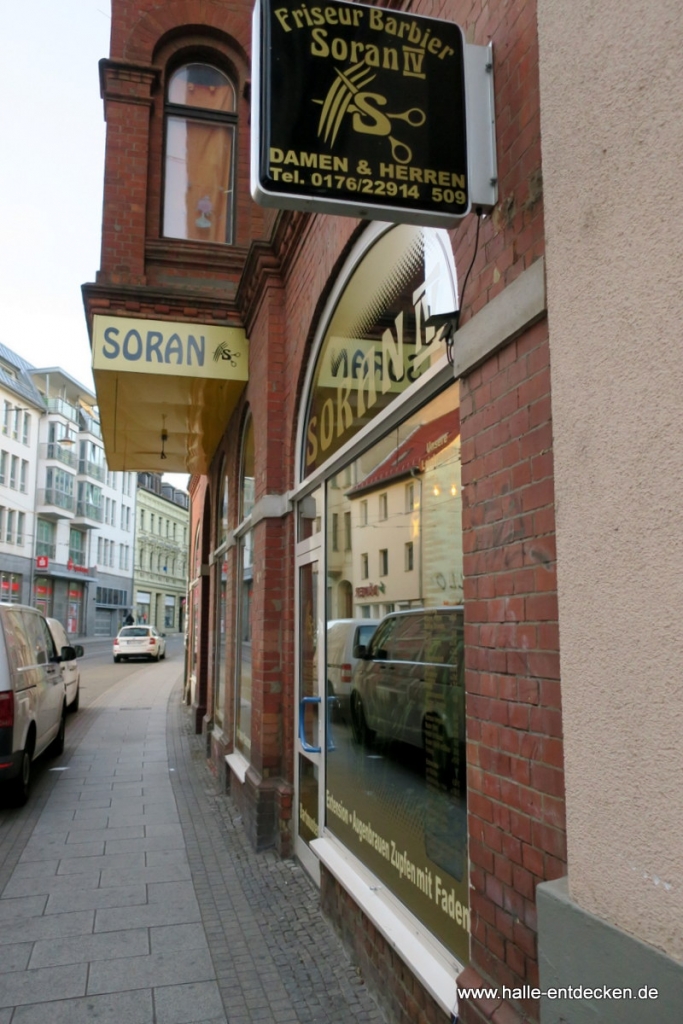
point(612, 129)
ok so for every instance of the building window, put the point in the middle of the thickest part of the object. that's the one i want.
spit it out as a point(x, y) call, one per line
point(21, 519)
point(383, 506)
point(45, 538)
point(335, 531)
point(13, 473)
point(409, 556)
point(200, 135)
point(364, 568)
point(77, 547)
point(23, 477)
point(363, 513)
point(26, 433)
point(9, 526)
point(3, 466)
point(347, 531)
point(384, 562)
point(410, 497)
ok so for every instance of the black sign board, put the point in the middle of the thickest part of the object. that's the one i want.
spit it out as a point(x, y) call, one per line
point(359, 110)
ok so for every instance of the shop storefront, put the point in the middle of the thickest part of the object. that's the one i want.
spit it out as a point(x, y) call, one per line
point(379, 769)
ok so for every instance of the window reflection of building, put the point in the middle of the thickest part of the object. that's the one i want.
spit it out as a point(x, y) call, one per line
point(406, 781)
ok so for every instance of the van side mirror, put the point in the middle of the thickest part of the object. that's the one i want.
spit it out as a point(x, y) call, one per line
point(79, 650)
point(68, 654)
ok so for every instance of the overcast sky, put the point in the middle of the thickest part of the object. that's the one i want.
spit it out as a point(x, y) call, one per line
point(52, 136)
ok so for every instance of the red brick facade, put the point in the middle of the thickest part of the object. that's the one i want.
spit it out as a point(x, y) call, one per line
point(274, 282)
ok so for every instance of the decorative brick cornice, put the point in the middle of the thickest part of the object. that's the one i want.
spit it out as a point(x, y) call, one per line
point(155, 303)
point(221, 259)
point(125, 81)
point(268, 259)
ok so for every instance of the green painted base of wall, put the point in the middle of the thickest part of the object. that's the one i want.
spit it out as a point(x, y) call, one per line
point(577, 949)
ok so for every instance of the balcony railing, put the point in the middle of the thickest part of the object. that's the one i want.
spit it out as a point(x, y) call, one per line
point(86, 510)
point(54, 450)
point(51, 496)
point(92, 469)
point(90, 426)
point(58, 405)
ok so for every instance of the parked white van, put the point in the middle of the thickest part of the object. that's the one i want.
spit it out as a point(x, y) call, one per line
point(32, 696)
point(342, 636)
point(70, 669)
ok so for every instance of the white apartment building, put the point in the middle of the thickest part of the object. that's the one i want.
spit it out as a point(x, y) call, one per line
point(21, 407)
point(67, 523)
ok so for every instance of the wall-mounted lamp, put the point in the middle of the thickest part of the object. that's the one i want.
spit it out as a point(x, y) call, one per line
point(164, 439)
point(448, 324)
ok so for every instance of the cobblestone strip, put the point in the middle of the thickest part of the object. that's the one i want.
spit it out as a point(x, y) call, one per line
point(277, 959)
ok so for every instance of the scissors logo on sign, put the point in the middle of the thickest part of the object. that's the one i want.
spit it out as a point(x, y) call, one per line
point(348, 95)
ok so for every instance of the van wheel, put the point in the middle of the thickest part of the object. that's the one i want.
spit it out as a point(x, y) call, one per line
point(117, 658)
point(57, 745)
point(359, 726)
point(18, 788)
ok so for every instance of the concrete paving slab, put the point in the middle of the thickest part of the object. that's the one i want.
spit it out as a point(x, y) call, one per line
point(39, 851)
point(96, 899)
point(123, 1008)
point(15, 957)
point(169, 831)
point(13, 909)
point(149, 915)
point(188, 1004)
point(167, 844)
point(43, 985)
point(89, 948)
point(52, 927)
point(117, 861)
point(157, 969)
point(167, 872)
point(97, 835)
point(36, 885)
point(36, 868)
point(178, 936)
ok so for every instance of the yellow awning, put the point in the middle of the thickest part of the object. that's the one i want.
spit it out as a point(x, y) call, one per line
point(166, 390)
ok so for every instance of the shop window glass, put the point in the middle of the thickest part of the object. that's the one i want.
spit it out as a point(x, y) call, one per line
point(200, 143)
point(243, 689)
point(377, 344)
point(244, 676)
point(395, 754)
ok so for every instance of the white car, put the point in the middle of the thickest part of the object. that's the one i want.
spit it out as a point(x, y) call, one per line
point(70, 670)
point(139, 642)
point(32, 698)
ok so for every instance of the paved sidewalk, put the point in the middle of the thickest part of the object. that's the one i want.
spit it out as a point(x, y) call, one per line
point(131, 896)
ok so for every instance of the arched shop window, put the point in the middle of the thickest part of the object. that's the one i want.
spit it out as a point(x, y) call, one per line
point(381, 437)
point(243, 689)
point(200, 145)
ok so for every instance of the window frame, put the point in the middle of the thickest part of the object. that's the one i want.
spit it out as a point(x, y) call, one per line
point(185, 112)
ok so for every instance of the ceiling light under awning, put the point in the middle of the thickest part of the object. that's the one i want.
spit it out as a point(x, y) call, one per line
point(156, 377)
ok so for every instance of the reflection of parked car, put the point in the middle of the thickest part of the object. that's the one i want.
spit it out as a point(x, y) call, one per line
point(139, 642)
point(409, 686)
point(32, 697)
point(70, 670)
point(343, 635)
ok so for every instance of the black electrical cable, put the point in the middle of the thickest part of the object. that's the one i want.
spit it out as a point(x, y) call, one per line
point(456, 321)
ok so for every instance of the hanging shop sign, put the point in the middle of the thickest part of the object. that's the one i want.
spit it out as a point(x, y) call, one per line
point(370, 113)
point(169, 349)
